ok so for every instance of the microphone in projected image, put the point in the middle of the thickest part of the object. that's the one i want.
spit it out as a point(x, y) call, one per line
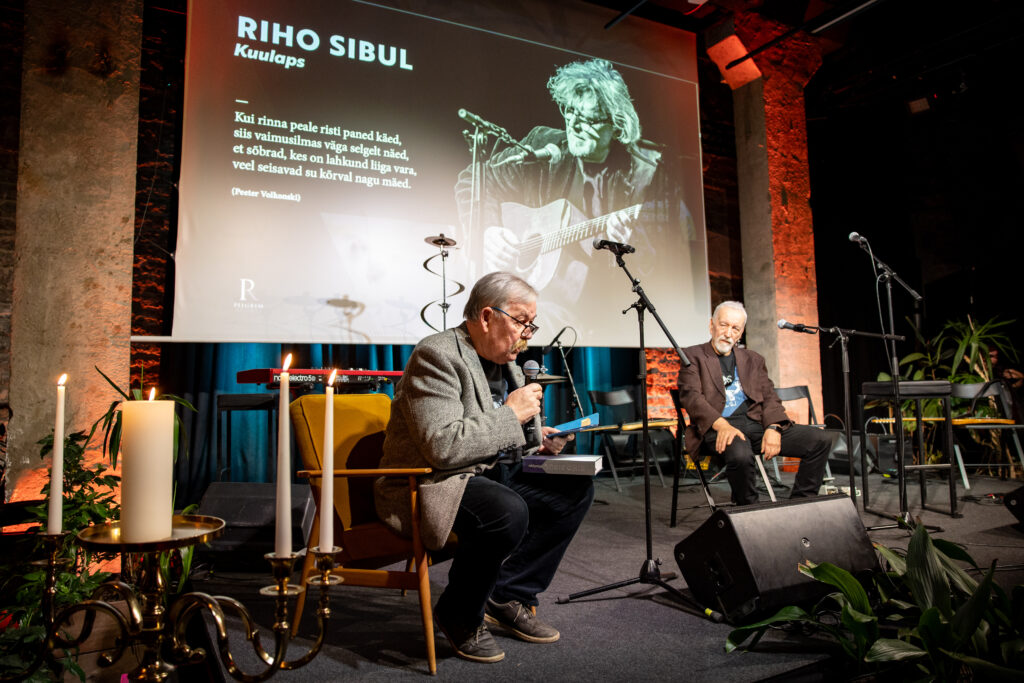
point(549, 152)
point(796, 327)
point(614, 247)
point(481, 123)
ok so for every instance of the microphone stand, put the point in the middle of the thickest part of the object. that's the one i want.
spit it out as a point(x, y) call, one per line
point(650, 573)
point(843, 337)
point(574, 398)
point(903, 519)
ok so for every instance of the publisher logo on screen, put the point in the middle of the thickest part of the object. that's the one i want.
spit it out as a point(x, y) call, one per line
point(247, 300)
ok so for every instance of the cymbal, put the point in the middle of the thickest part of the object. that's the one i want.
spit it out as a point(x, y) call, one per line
point(550, 379)
point(440, 241)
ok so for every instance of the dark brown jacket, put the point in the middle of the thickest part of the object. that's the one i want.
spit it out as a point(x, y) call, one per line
point(702, 392)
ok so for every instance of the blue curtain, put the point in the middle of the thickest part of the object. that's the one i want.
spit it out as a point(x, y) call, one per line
point(203, 372)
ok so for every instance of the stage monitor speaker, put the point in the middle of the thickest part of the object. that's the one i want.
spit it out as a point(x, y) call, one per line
point(1014, 502)
point(743, 561)
point(248, 510)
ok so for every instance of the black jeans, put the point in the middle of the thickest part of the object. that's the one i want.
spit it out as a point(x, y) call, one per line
point(809, 444)
point(513, 530)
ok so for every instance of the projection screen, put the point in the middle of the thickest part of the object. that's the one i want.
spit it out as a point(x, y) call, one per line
point(327, 146)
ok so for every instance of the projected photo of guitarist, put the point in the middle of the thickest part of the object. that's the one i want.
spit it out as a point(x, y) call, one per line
point(541, 207)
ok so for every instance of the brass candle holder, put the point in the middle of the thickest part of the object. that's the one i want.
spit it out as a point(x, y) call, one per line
point(149, 624)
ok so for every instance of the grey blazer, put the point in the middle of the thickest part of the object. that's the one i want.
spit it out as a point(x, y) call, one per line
point(443, 417)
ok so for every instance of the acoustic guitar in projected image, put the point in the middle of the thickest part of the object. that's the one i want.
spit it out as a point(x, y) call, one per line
point(538, 234)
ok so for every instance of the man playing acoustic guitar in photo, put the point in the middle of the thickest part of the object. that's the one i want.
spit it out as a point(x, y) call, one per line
point(541, 211)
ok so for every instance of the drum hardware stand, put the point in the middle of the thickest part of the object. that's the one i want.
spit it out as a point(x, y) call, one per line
point(442, 243)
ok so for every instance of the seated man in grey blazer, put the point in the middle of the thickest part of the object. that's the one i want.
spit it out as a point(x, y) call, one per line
point(464, 409)
point(734, 412)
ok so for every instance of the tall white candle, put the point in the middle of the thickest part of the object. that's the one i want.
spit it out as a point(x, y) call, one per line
point(283, 530)
point(55, 510)
point(327, 483)
point(147, 469)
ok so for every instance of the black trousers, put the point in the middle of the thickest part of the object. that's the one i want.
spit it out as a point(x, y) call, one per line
point(809, 444)
point(513, 530)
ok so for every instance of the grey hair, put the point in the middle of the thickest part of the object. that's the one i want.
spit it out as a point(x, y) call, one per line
point(597, 76)
point(497, 290)
point(735, 305)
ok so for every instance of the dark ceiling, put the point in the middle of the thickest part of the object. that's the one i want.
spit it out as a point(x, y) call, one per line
point(914, 132)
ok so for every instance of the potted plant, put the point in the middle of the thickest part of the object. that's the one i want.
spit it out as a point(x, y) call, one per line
point(928, 616)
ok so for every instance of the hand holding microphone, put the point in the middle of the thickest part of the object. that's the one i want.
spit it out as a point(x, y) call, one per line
point(525, 401)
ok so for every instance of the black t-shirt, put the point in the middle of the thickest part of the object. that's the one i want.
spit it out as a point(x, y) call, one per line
point(498, 381)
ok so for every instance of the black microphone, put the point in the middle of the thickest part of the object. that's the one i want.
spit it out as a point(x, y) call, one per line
point(796, 327)
point(552, 344)
point(531, 369)
point(858, 238)
point(479, 122)
point(549, 152)
point(614, 247)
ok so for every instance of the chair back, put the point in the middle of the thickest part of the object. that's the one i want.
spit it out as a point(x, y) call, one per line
point(796, 393)
point(359, 424)
point(618, 402)
point(976, 391)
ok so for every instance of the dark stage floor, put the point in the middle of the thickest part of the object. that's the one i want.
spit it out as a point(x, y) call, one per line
point(624, 634)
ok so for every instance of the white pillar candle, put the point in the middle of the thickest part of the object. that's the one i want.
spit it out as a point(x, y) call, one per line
point(147, 470)
point(283, 529)
point(55, 511)
point(327, 483)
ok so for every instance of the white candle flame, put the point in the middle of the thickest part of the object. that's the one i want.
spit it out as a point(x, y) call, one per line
point(152, 393)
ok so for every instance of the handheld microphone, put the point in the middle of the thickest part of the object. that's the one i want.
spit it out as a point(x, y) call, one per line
point(549, 152)
point(547, 348)
point(858, 238)
point(531, 369)
point(614, 247)
point(796, 327)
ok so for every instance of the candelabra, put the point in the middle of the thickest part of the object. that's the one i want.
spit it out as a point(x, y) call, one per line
point(148, 623)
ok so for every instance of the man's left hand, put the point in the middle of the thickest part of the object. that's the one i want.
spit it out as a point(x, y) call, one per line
point(771, 443)
point(554, 446)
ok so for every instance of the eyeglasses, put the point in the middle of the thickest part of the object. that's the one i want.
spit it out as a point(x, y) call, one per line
point(571, 112)
point(527, 327)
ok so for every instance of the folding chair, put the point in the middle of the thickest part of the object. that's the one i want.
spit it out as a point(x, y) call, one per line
point(998, 394)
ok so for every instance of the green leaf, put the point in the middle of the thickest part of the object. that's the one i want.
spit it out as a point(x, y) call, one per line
point(934, 631)
point(925, 575)
point(966, 620)
point(864, 628)
point(990, 670)
point(791, 613)
point(845, 582)
point(890, 650)
point(111, 383)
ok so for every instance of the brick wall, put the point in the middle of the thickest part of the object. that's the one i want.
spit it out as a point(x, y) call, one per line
point(160, 102)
